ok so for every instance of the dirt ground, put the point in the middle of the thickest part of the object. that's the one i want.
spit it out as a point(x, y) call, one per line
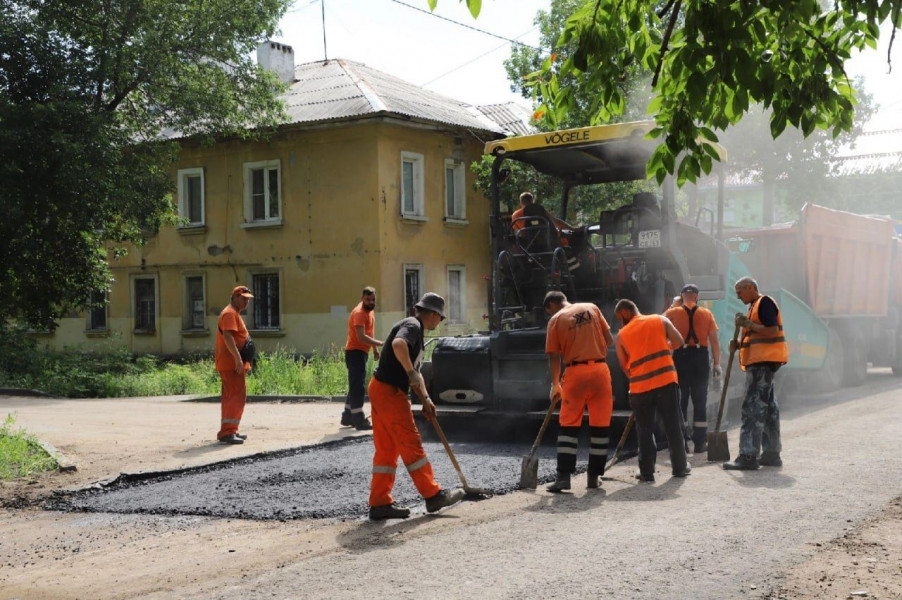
point(825, 526)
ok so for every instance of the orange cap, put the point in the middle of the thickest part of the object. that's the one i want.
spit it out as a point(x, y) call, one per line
point(242, 290)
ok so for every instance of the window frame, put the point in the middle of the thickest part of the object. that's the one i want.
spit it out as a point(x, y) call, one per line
point(134, 299)
point(460, 190)
point(462, 300)
point(90, 326)
point(247, 169)
point(419, 186)
point(252, 305)
point(420, 268)
point(187, 312)
point(183, 206)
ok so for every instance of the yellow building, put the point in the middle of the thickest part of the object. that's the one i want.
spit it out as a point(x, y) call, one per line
point(369, 184)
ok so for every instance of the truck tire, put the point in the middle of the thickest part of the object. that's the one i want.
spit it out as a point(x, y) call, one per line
point(855, 365)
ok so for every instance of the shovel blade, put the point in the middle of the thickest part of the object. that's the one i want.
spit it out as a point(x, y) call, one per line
point(718, 447)
point(529, 473)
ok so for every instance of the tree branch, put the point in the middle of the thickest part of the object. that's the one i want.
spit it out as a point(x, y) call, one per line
point(666, 9)
point(666, 41)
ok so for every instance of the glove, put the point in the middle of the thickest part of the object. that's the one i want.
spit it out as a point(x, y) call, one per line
point(416, 380)
point(743, 321)
point(718, 372)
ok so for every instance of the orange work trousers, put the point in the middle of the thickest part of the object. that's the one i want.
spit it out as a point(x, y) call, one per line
point(234, 396)
point(395, 434)
point(587, 385)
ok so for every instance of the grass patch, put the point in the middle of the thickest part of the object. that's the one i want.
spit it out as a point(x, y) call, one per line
point(20, 453)
point(115, 373)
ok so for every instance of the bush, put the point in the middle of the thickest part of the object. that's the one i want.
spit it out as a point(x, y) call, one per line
point(20, 453)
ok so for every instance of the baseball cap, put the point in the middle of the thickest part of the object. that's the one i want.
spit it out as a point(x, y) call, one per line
point(689, 287)
point(242, 290)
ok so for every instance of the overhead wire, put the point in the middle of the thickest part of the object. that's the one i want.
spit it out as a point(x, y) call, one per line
point(472, 60)
point(458, 23)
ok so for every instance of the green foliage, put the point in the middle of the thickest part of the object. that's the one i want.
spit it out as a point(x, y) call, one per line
point(710, 63)
point(20, 454)
point(87, 91)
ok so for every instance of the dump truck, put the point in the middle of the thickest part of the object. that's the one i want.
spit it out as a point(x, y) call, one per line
point(847, 269)
point(639, 250)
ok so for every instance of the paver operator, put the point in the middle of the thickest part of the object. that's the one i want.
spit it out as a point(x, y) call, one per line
point(231, 336)
point(361, 327)
point(699, 330)
point(394, 431)
point(644, 349)
point(762, 351)
point(578, 337)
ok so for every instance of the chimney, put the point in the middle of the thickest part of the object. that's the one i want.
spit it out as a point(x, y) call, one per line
point(278, 58)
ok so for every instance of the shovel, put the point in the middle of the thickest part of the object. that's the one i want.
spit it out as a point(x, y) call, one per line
point(718, 445)
point(626, 432)
point(472, 493)
point(529, 468)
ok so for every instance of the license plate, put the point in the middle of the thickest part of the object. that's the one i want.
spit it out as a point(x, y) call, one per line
point(650, 239)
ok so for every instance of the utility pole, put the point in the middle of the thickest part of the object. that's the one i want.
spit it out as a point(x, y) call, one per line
point(325, 51)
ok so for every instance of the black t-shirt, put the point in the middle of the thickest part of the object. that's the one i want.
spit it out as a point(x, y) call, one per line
point(389, 369)
point(767, 311)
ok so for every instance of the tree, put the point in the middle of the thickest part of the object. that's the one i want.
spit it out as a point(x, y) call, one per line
point(89, 90)
point(710, 62)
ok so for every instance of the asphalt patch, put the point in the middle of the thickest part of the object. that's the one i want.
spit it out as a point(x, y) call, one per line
point(321, 482)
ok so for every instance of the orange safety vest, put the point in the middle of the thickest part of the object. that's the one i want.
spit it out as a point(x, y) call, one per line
point(757, 347)
point(651, 361)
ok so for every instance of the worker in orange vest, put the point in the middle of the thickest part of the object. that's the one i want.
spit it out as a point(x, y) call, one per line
point(644, 348)
point(578, 338)
point(231, 336)
point(762, 351)
point(699, 330)
point(394, 431)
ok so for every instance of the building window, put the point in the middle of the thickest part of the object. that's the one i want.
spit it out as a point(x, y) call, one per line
point(266, 301)
point(455, 190)
point(145, 304)
point(456, 310)
point(195, 313)
point(191, 196)
point(412, 184)
point(97, 311)
point(414, 281)
point(262, 192)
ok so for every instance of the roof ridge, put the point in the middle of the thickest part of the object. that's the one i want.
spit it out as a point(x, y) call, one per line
point(365, 88)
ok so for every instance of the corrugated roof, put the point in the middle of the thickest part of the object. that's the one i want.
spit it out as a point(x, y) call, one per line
point(341, 89)
point(513, 118)
point(875, 151)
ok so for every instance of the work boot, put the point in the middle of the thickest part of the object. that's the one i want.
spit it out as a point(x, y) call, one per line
point(770, 459)
point(241, 436)
point(346, 419)
point(363, 424)
point(684, 473)
point(560, 484)
point(701, 446)
point(444, 498)
point(592, 482)
point(743, 462)
point(388, 511)
point(645, 478)
point(231, 439)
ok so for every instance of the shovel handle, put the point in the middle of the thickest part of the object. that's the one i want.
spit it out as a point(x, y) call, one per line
point(620, 444)
point(538, 442)
point(726, 379)
point(441, 435)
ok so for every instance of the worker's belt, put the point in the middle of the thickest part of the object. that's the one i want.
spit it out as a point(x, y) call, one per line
point(586, 362)
point(687, 347)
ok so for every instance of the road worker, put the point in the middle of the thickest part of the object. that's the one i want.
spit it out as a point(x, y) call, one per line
point(394, 431)
point(578, 339)
point(644, 349)
point(697, 326)
point(762, 351)
point(231, 336)
point(361, 327)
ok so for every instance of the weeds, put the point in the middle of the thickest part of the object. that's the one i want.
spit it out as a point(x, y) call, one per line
point(20, 453)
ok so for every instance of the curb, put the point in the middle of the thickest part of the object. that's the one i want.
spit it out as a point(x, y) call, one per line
point(280, 399)
point(26, 392)
point(64, 464)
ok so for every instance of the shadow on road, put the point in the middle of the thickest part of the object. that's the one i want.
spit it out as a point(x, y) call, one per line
point(379, 535)
point(567, 502)
point(201, 450)
point(764, 478)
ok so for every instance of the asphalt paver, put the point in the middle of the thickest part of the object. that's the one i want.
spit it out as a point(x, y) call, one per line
point(324, 481)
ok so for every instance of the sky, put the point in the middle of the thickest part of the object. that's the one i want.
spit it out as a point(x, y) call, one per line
point(467, 65)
